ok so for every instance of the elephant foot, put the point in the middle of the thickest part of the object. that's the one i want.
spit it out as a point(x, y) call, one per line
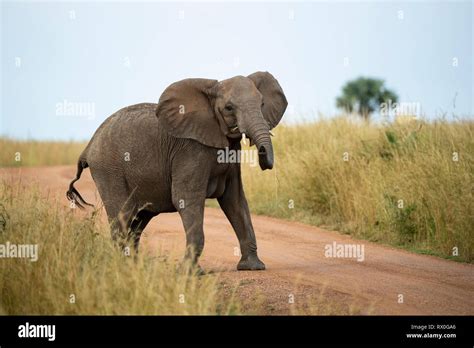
point(199, 271)
point(251, 263)
point(191, 269)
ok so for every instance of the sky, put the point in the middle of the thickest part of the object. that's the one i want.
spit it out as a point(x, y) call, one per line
point(66, 66)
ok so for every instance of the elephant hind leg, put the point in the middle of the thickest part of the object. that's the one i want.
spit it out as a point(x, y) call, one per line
point(127, 227)
point(138, 224)
point(119, 204)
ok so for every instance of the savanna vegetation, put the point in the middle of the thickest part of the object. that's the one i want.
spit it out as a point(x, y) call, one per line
point(80, 271)
point(17, 153)
point(77, 270)
point(408, 184)
point(365, 95)
point(403, 184)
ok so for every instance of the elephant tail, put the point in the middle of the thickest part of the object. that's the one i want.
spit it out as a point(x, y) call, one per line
point(72, 194)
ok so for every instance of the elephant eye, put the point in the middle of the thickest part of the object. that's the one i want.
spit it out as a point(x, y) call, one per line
point(229, 107)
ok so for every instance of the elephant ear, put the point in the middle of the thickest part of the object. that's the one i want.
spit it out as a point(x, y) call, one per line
point(186, 111)
point(273, 97)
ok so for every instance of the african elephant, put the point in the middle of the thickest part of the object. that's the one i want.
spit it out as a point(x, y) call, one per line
point(149, 158)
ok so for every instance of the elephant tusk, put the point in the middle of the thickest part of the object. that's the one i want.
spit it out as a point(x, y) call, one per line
point(271, 133)
point(244, 139)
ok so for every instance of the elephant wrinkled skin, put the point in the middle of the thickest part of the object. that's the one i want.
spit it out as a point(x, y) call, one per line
point(149, 158)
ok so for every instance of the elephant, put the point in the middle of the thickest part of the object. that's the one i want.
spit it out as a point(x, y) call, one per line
point(150, 158)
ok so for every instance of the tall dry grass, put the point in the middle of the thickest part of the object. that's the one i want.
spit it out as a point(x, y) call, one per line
point(77, 262)
point(79, 271)
point(15, 153)
point(398, 184)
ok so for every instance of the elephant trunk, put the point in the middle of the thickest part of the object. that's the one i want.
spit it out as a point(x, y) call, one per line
point(259, 132)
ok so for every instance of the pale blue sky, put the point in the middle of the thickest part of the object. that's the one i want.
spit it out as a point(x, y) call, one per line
point(114, 54)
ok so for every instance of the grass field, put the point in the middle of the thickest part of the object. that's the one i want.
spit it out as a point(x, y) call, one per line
point(77, 270)
point(16, 153)
point(408, 185)
point(80, 271)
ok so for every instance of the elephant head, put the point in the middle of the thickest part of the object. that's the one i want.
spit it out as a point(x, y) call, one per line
point(216, 113)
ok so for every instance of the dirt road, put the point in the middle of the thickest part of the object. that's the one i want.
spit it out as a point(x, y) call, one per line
point(297, 268)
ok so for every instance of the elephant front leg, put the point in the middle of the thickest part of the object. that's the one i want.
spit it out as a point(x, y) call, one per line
point(192, 215)
point(234, 204)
